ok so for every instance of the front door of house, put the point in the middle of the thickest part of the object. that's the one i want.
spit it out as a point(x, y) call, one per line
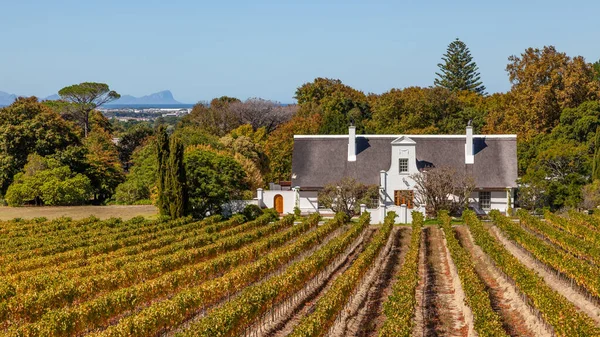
point(278, 201)
point(404, 197)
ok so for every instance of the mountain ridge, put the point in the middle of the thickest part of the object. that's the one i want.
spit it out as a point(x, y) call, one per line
point(164, 97)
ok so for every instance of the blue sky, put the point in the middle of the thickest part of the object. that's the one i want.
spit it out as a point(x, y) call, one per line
point(205, 49)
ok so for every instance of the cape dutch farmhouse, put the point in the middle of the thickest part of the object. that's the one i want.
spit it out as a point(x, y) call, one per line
point(389, 161)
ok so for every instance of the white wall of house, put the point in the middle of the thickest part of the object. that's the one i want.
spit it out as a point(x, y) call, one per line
point(393, 179)
point(498, 199)
point(309, 201)
point(305, 200)
point(289, 200)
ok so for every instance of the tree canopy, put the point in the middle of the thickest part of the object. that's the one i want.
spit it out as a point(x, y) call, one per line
point(87, 97)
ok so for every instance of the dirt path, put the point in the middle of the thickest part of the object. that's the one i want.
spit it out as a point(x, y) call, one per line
point(518, 319)
point(124, 212)
point(283, 317)
point(444, 312)
point(363, 315)
point(555, 282)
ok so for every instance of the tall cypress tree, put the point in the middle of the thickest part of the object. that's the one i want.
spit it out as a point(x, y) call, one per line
point(459, 71)
point(176, 181)
point(162, 145)
point(596, 162)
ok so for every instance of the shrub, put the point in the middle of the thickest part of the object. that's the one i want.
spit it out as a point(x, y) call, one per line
point(252, 212)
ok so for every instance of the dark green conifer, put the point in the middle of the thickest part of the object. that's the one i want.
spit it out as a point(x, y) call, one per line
point(162, 144)
point(176, 181)
point(459, 71)
point(596, 161)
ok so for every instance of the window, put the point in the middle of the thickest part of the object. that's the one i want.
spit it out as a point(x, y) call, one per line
point(404, 197)
point(485, 200)
point(403, 165)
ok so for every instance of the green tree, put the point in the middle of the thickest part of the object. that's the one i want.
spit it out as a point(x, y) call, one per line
point(596, 67)
point(213, 179)
point(27, 127)
point(176, 184)
point(87, 97)
point(130, 140)
point(140, 183)
point(44, 181)
point(596, 161)
point(162, 158)
point(459, 71)
point(338, 105)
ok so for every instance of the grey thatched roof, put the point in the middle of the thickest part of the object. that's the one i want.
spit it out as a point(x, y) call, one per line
point(318, 161)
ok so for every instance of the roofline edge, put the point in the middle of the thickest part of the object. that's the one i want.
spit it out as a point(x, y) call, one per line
point(410, 136)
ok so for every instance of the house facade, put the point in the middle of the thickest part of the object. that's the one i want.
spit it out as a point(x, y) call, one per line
point(390, 161)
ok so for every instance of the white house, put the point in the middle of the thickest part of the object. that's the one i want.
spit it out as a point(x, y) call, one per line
point(389, 161)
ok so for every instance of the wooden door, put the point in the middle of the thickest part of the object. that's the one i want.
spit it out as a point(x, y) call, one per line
point(278, 201)
point(405, 197)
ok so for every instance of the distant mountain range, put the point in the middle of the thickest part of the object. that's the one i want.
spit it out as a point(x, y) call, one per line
point(160, 98)
point(6, 98)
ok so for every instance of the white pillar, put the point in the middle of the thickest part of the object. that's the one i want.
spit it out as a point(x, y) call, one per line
point(382, 187)
point(404, 214)
point(297, 197)
point(382, 213)
point(363, 208)
point(259, 197)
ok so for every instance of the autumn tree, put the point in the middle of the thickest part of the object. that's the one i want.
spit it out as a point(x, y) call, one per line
point(280, 144)
point(261, 113)
point(544, 82)
point(459, 72)
point(443, 188)
point(347, 195)
point(87, 97)
point(105, 170)
point(434, 110)
point(215, 118)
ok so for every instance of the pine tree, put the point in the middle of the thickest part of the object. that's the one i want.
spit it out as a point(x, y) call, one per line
point(162, 144)
point(596, 161)
point(459, 71)
point(176, 181)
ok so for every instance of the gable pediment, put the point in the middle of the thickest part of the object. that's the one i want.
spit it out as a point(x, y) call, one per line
point(403, 141)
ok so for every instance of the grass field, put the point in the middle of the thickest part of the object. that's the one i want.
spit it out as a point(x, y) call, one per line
point(78, 212)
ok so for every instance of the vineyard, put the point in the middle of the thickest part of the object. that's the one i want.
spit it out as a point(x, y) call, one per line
point(272, 277)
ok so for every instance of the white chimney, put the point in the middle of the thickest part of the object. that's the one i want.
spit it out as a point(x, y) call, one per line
point(352, 143)
point(469, 156)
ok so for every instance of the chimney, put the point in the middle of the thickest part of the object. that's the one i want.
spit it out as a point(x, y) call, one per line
point(469, 156)
point(352, 143)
